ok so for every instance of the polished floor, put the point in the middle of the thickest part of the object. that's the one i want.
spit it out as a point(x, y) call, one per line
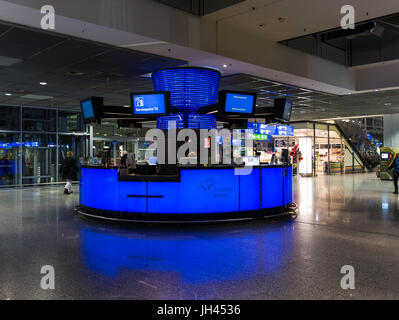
point(344, 220)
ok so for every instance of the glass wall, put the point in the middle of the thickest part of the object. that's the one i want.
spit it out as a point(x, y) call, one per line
point(34, 142)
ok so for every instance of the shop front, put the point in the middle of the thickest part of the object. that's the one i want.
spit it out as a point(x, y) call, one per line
point(325, 150)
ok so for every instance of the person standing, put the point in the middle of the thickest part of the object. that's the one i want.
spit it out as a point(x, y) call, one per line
point(395, 173)
point(124, 158)
point(131, 162)
point(69, 171)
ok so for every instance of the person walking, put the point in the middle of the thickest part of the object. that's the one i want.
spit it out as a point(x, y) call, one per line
point(395, 173)
point(69, 171)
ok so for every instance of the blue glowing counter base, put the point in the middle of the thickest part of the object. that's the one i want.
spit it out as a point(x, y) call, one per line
point(197, 194)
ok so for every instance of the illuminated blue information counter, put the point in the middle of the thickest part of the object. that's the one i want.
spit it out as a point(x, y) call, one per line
point(197, 193)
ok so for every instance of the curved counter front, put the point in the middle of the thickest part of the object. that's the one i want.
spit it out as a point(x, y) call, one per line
point(196, 193)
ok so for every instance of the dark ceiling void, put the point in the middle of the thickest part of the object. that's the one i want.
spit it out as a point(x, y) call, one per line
point(72, 69)
point(372, 41)
point(200, 7)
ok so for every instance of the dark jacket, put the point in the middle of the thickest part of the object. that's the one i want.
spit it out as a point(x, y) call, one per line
point(394, 166)
point(69, 170)
point(123, 160)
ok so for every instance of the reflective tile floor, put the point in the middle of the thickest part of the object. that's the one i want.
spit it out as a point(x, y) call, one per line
point(344, 220)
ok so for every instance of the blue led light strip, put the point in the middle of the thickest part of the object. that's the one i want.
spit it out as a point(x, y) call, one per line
point(190, 88)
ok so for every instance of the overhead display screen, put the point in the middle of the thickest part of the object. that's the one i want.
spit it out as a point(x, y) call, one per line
point(287, 110)
point(239, 103)
point(87, 109)
point(283, 108)
point(150, 103)
point(92, 109)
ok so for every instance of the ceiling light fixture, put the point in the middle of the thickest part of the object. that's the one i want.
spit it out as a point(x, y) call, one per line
point(225, 66)
point(43, 83)
point(8, 94)
point(75, 73)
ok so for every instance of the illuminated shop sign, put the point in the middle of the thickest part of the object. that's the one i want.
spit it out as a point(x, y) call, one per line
point(261, 136)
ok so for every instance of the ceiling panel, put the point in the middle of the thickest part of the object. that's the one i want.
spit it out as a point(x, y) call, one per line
point(23, 43)
point(73, 69)
point(313, 105)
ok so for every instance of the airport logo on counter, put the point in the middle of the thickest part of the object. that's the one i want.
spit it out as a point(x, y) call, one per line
point(209, 185)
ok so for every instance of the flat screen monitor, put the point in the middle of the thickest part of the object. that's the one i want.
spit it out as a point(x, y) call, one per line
point(282, 109)
point(149, 104)
point(92, 109)
point(385, 156)
point(235, 102)
point(251, 161)
point(152, 161)
point(236, 142)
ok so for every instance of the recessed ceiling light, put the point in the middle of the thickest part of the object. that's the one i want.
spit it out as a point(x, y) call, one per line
point(8, 94)
point(43, 83)
point(225, 66)
point(75, 73)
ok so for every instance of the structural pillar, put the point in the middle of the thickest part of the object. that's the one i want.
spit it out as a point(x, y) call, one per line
point(391, 131)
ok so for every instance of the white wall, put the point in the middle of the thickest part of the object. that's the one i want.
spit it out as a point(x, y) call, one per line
point(391, 131)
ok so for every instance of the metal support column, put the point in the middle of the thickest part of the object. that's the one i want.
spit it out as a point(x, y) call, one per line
point(57, 143)
point(90, 142)
point(329, 150)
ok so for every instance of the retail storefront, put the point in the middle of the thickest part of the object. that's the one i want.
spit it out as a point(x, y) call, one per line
point(325, 150)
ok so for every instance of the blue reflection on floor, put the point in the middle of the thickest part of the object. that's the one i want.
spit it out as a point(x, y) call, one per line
point(197, 256)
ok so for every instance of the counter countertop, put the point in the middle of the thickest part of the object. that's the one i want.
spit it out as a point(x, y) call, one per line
point(176, 178)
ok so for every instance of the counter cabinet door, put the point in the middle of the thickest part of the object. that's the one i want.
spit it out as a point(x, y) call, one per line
point(272, 187)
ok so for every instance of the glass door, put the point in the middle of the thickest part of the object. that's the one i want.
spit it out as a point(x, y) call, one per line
point(38, 165)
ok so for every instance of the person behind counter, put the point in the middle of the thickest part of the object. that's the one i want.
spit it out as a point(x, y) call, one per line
point(69, 171)
point(131, 162)
point(124, 158)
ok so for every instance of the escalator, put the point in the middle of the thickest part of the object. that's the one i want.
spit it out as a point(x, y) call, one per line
point(352, 136)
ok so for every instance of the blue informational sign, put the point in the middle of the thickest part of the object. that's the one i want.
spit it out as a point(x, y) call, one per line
point(279, 130)
point(148, 104)
point(239, 103)
point(283, 130)
point(17, 144)
point(87, 109)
